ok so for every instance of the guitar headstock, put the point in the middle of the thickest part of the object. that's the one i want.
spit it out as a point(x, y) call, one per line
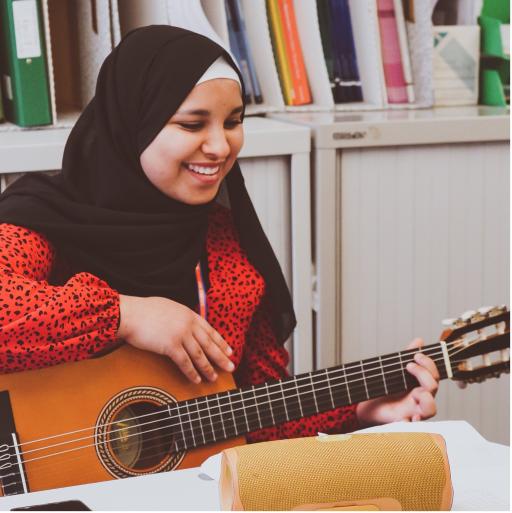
point(478, 344)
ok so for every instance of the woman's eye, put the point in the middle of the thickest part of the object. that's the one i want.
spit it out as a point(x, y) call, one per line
point(232, 123)
point(191, 126)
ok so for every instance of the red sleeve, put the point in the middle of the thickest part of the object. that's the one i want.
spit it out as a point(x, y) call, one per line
point(41, 324)
point(264, 359)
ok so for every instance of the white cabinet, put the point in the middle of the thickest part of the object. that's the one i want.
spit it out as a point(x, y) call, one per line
point(411, 226)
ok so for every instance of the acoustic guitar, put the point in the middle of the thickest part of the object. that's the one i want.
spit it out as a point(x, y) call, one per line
point(132, 412)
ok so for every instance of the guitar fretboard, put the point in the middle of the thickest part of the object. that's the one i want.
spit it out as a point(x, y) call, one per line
point(229, 414)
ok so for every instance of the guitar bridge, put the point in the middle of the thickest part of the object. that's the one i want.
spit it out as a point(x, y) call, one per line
point(12, 473)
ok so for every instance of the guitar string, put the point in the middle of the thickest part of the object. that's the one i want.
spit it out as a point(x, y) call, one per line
point(150, 455)
point(332, 375)
point(241, 393)
point(189, 430)
point(199, 417)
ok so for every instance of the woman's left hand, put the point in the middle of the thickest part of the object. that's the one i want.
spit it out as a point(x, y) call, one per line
point(417, 404)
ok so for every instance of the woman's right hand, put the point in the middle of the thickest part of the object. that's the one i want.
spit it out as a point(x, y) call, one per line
point(166, 327)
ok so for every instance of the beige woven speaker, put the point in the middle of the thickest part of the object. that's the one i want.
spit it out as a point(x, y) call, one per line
point(374, 471)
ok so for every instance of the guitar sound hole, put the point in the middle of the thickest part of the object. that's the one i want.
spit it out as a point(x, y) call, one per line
point(141, 437)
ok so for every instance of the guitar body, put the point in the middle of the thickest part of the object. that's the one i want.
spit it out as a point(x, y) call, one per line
point(77, 399)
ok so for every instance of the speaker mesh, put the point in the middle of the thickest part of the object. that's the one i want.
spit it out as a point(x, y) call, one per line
point(409, 467)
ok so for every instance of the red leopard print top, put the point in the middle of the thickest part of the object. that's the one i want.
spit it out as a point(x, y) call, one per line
point(42, 324)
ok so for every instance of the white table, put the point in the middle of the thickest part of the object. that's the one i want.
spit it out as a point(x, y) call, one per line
point(480, 477)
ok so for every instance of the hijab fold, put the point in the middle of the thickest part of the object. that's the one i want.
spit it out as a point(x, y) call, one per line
point(102, 213)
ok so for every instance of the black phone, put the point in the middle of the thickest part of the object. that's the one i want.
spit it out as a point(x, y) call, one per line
point(56, 506)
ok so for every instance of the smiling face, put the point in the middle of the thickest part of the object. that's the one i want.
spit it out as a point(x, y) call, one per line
point(196, 149)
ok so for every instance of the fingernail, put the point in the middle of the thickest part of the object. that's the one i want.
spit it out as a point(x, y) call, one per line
point(229, 351)
point(410, 366)
point(214, 376)
point(197, 380)
point(231, 366)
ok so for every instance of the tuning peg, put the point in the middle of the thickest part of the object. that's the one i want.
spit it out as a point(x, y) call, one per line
point(448, 322)
point(497, 310)
point(462, 384)
point(466, 316)
point(484, 310)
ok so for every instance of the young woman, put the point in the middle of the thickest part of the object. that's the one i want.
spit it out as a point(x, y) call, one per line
point(128, 244)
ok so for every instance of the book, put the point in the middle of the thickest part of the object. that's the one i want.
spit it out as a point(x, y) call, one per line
point(324, 22)
point(294, 53)
point(396, 86)
point(339, 50)
point(347, 80)
point(456, 64)
point(239, 44)
point(23, 63)
point(404, 50)
point(94, 35)
point(278, 45)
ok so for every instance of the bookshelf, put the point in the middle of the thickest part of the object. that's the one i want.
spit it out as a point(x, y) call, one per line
point(276, 159)
point(410, 216)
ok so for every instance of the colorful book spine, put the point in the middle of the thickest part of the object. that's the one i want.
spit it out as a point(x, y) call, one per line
point(324, 22)
point(23, 63)
point(246, 47)
point(348, 85)
point(404, 50)
point(283, 66)
point(294, 53)
point(396, 86)
point(237, 52)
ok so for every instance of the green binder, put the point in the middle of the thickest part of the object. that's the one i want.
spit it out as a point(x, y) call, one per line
point(25, 87)
point(494, 64)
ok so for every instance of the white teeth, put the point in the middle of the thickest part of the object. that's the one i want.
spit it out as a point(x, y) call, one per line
point(203, 170)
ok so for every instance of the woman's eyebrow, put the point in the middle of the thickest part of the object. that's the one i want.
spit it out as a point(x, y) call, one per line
point(203, 112)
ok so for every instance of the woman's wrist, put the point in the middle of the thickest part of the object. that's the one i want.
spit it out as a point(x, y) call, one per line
point(126, 315)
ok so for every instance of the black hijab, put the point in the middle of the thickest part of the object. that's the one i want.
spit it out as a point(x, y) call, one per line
point(102, 213)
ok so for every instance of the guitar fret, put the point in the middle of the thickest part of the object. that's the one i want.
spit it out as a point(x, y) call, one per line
point(329, 387)
point(256, 406)
point(250, 410)
point(191, 424)
point(210, 418)
point(284, 402)
point(364, 381)
point(299, 400)
point(292, 398)
point(402, 369)
point(313, 391)
point(221, 417)
point(339, 386)
point(201, 422)
point(232, 412)
point(374, 377)
point(270, 405)
point(245, 412)
point(321, 391)
point(357, 382)
point(182, 422)
point(383, 376)
point(346, 384)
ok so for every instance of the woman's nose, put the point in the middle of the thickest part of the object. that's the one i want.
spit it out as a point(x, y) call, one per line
point(216, 144)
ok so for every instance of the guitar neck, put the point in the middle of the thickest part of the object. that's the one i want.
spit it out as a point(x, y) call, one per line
point(229, 414)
